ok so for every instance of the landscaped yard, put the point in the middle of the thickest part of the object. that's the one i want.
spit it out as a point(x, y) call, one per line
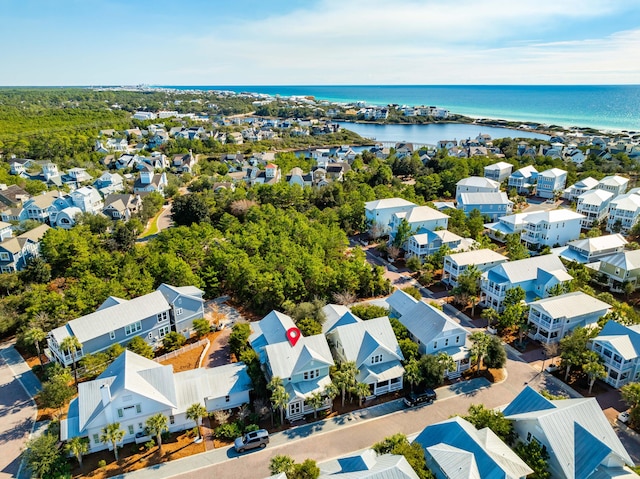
point(152, 226)
point(185, 361)
point(136, 456)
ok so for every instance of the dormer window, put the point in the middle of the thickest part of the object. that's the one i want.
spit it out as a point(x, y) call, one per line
point(376, 359)
point(314, 373)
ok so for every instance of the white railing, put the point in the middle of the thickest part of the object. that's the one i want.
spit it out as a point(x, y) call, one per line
point(177, 352)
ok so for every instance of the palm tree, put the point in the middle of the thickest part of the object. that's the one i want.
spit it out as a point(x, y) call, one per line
point(71, 344)
point(315, 401)
point(448, 363)
point(78, 446)
point(345, 378)
point(413, 372)
point(331, 391)
point(157, 424)
point(362, 390)
point(36, 335)
point(195, 412)
point(479, 348)
point(593, 368)
point(113, 434)
point(280, 399)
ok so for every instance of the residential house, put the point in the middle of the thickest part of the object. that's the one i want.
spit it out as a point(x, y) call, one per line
point(446, 144)
point(121, 206)
point(575, 155)
point(614, 184)
point(116, 144)
point(551, 319)
point(148, 182)
point(536, 276)
point(16, 252)
point(576, 434)
point(579, 187)
point(269, 176)
point(590, 250)
point(426, 242)
point(373, 347)
point(365, 465)
point(184, 163)
point(523, 179)
point(418, 217)
point(619, 348)
point(75, 177)
point(551, 182)
point(621, 268)
point(400, 303)
point(594, 205)
point(454, 448)
point(490, 205)
point(337, 315)
point(19, 166)
point(134, 388)
point(435, 332)
point(118, 320)
point(457, 263)
point(624, 211)
point(6, 230)
point(144, 115)
point(109, 183)
point(378, 213)
point(303, 369)
point(551, 228)
point(476, 184)
point(498, 171)
point(13, 196)
point(39, 207)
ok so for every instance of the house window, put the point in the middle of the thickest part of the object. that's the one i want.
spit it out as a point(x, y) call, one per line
point(164, 330)
point(163, 316)
point(120, 413)
point(446, 342)
point(96, 439)
point(138, 408)
point(4, 256)
point(130, 427)
point(227, 398)
point(112, 335)
point(314, 373)
point(178, 311)
point(528, 437)
point(172, 420)
point(133, 328)
point(376, 359)
point(457, 339)
point(435, 345)
point(140, 426)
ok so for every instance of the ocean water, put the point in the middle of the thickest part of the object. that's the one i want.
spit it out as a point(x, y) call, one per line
point(611, 107)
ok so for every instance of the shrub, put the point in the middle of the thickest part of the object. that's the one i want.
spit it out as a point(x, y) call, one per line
point(102, 463)
point(201, 327)
point(227, 431)
point(149, 444)
point(251, 427)
point(413, 291)
point(173, 341)
point(369, 311)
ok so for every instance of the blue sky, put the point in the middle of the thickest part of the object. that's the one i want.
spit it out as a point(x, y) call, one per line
point(319, 42)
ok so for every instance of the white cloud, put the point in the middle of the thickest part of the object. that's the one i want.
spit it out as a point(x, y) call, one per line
point(407, 42)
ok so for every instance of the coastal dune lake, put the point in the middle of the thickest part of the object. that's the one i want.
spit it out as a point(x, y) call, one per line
point(433, 132)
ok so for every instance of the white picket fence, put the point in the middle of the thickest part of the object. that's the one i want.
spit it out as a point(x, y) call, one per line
point(177, 352)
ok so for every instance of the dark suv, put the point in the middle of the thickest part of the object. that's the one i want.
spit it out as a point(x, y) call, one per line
point(424, 397)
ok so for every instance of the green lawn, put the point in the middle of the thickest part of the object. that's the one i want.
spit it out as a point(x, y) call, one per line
point(152, 227)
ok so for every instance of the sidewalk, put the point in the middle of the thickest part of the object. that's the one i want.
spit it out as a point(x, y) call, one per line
point(21, 370)
point(205, 459)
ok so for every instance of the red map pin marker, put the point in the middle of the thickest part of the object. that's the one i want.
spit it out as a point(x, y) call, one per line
point(293, 334)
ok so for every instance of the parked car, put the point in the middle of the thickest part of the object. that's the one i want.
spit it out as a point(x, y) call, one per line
point(252, 440)
point(414, 399)
point(623, 417)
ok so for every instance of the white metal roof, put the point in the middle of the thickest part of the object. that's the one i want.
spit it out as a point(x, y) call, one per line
point(527, 269)
point(627, 260)
point(360, 340)
point(285, 360)
point(426, 322)
point(387, 203)
point(614, 180)
point(599, 243)
point(368, 465)
point(479, 256)
point(571, 305)
point(423, 213)
point(478, 182)
point(485, 198)
point(401, 302)
point(594, 197)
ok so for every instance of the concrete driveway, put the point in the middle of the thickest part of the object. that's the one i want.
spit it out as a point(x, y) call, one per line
point(17, 410)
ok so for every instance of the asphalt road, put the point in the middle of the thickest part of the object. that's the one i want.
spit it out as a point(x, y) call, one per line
point(17, 413)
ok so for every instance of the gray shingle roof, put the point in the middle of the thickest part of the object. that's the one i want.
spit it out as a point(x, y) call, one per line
point(117, 316)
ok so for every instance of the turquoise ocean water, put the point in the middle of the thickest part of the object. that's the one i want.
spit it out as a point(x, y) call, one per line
point(614, 107)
